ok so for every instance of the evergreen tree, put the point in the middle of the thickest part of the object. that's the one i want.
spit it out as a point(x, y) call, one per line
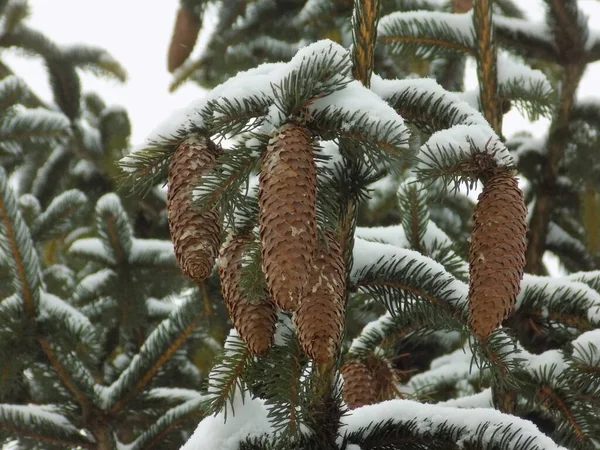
point(374, 305)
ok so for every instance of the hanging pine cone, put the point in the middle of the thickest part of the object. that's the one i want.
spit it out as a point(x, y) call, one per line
point(384, 376)
point(287, 214)
point(195, 233)
point(360, 387)
point(254, 321)
point(497, 253)
point(319, 319)
point(185, 33)
point(462, 6)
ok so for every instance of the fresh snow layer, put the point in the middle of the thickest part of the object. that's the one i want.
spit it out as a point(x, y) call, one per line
point(587, 347)
point(247, 418)
point(50, 304)
point(34, 413)
point(428, 418)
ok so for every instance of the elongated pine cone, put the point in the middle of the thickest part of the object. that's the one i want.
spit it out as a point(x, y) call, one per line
point(254, 321)
point(319, 319)
point(195, 233)
point(497, 253)
point(385, 378)
point(287, 215)
point(360, 387)
point(185, 33)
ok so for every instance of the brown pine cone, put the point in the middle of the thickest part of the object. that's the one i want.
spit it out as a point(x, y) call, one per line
point(384, 376)
point(185, 33)
point(462, 6)
point(319, 319)
point(287, 214)
point(497, 253)
point(195, 234)
point(360, 387)
point(254, 321)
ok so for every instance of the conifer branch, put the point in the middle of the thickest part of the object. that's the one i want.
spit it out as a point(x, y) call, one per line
point(487, 63)
point(15, 240)
point(544, 205)
point(162, 343)
point(168, 422)
point(364, 33)
point(65, 376)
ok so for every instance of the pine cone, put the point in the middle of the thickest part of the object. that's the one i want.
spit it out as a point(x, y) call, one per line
point(462, 6)
point(360, 387)
point(185, 33)
point(319, 319)
point(497, 253)
point(255, 322)
point(287, 214)
point(384, 376)
point(195, 234)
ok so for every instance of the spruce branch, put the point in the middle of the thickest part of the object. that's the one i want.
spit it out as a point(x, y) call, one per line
point(169, 422)
point(34, 126)
point(364, 35)
point(42, 424)
point(487, 63)
point(160, 345)
point(16, 243)
point(427, 34)
point(60, 217)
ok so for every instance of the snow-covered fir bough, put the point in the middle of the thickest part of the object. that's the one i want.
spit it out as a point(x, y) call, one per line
point(318, 208)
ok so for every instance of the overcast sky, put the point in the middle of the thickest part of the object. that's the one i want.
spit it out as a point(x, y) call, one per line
point(137, 33)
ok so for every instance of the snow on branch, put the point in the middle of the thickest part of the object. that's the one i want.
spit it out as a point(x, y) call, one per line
point(41, 423)
point(477, 427)
point(428, 34)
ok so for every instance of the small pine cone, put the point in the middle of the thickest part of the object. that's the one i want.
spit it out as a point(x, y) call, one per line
point(360, 387)
point(497, 253)
point(287, 215)
point(462, 6)
point(254, 321)
point(185, 33)
point(384, 377)
point(195, 234)
point(319, 319)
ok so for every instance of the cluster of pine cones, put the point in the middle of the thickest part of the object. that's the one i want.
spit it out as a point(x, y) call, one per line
point(303, 274)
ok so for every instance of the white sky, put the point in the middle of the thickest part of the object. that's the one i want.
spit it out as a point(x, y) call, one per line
point(137, 33)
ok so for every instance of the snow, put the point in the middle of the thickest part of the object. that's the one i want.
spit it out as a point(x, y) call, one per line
point(481, 399)
point(94, 283)
point(393, 235)
point(430, 380)
point(549, 360)
point(511, 71)
point(35, 414)
point(428, 88)
point(377, 327)
point(159, 307)
point(429, 418)
point(91, 247)
point(173, 394)
point(458, 141)
point(256, 82)
point(459, 24)
point(561, 288)
point(587, 347)
point(51, 304)
point(34, 117)
point(356, 97)
point(537, 30)
point(151, 250)
point(373, 254)
point(247, 419)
